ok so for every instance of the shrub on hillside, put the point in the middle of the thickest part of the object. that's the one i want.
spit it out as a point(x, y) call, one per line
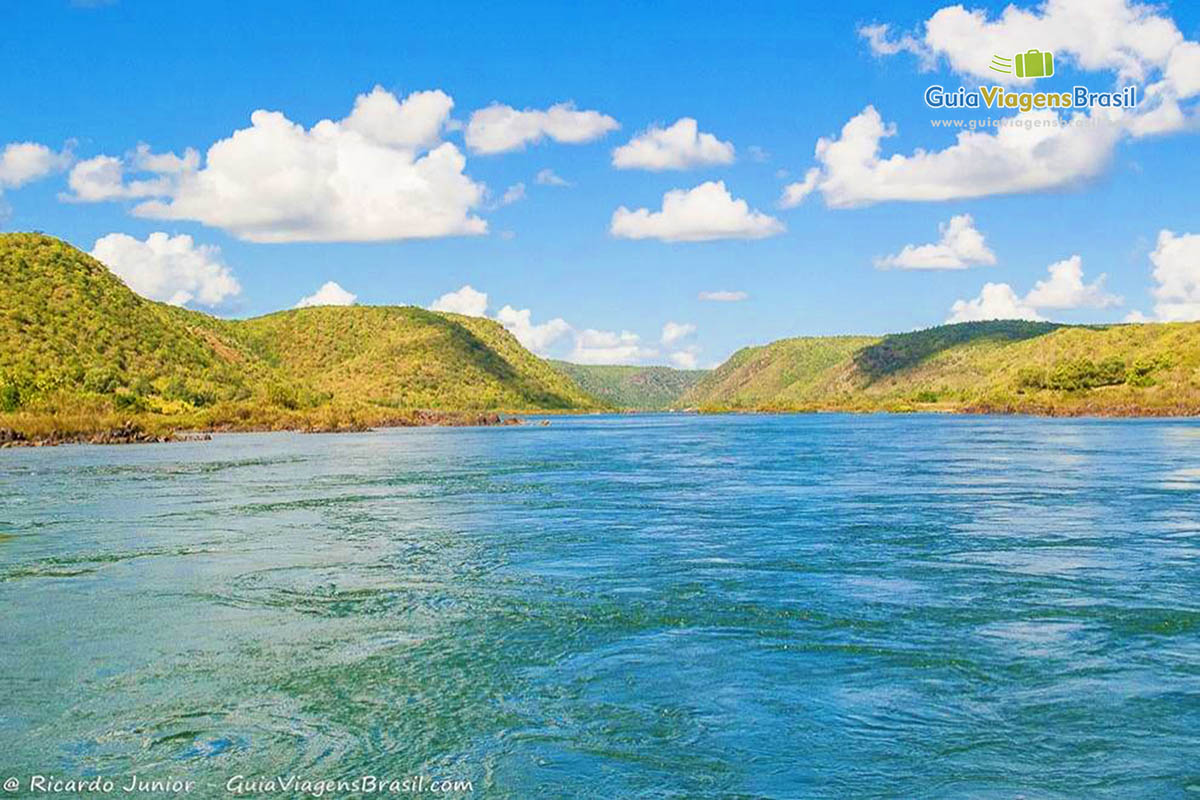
point(1078, 374)
point(10, 396)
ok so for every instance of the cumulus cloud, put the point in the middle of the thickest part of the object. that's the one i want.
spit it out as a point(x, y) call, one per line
point(500, 128)
point(330, 294)
point(680, 146)
point(672, 332)
point(1131, 40)
point(102, 177)
point(995, 301)
point(1134, 42)
point(466, 301)
point(378, 174)
point(519, 322)
point(171, 269)
point(701, 214)
point(25, 162)
point(1176, 260)
point(609, 347)
point(414, 124)
point(1065, 288)
point(537, 338)
point(1040, 153)
point(587, 346)
point(961, 245)
point(723, 296)
point(685, 359)
point(794, 193)
point(547, 177)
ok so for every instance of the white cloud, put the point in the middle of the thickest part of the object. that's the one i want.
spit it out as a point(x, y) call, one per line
point(25, 162)
point(960, 246)
point(685, 359)
point(330, 294)
point(1063, 289)
point(680, 146)
point(877, 36)
point(537, 338)
point(995, 301)
point(701, 214)
point(547, 177)
point(171, 269)
point(519, 322)
point(1176, 261)
point(415, 124)
point(513, 194)
point(378, 174)
point(1134, 42)
point(609, 347)
point(672, 332)
point(466, 301)
point(588, 346)
point(102, 177)
point(1039, 153)
point(1126, 38)
point(794, 193)
point(723, 296)
point(164, 163)
point(500, 128)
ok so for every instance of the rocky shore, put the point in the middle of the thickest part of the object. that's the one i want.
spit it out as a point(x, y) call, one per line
point(130, 432)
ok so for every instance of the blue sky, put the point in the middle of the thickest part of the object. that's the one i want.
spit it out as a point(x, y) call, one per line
point(769, 79)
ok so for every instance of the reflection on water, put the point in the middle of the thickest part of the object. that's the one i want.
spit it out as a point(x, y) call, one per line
point(780, 606)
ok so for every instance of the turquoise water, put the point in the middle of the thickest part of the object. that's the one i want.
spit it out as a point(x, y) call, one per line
point(650, 606)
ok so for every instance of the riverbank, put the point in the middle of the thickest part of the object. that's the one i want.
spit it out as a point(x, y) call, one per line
point(1082, 407)
point(49, 430)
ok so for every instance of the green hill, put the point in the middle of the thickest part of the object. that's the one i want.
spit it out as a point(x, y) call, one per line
point(636, 388)
point(78, 348)
point(1002, 366)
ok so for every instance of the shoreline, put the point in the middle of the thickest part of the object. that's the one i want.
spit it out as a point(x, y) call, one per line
point(976, 410)
point(131, 432)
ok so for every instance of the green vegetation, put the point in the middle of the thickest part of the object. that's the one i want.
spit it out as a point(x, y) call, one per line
point(788, 373)
point(1002, 366)
point(80, 352)
point(633, 388)
point(80, 355)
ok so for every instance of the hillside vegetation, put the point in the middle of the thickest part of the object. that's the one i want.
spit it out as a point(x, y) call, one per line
point(78, 350)
point(633, 388)
point(1003, 366)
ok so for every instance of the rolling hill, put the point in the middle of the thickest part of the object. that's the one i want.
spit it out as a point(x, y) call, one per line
point(79, 349)
point(633, 388)
point(1005, 366)
point(80, 353)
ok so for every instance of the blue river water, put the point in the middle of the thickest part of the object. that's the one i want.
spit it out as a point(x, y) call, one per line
point(820, 606)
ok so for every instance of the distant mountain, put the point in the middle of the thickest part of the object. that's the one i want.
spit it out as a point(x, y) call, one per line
point(77, 344)
point(1002, 366)
point(634, 388)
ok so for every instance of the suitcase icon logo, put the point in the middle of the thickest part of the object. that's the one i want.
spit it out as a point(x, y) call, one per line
point(1030, 64)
